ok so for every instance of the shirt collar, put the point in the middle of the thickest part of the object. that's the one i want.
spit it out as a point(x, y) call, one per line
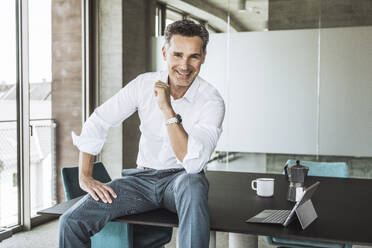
point(191, 91)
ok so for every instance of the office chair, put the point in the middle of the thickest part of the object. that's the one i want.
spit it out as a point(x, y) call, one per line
point(115, 234)
point(325, 169)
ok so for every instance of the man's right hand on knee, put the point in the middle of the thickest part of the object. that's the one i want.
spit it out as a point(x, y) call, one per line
point(87, 183)
point(97, 189)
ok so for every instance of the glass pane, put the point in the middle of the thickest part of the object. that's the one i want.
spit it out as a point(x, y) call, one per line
point(42, 136)
point(272, 73)
point(8, 116)
point(345, 127)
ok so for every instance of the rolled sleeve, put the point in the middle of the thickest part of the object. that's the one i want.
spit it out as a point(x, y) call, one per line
point(87, 145)
point(203, 137)
point(93, 135)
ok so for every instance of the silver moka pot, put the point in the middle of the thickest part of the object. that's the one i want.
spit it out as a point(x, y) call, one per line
point(296, 175)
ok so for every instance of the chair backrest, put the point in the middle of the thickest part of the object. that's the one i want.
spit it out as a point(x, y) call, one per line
point(325, 169)
point(70, 178)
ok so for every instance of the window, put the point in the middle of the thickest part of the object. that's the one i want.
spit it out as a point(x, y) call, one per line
point(15, 179)
point(27, 132)
point(8, 118)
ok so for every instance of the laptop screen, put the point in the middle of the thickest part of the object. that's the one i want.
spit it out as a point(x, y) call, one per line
point(308, 193)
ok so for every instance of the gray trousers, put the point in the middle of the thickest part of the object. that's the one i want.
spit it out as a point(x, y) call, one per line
point(140, 191)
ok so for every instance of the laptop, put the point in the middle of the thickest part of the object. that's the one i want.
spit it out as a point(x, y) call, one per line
point(303, 208)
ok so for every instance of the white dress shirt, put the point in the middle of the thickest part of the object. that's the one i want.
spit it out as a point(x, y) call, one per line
point(202, 110)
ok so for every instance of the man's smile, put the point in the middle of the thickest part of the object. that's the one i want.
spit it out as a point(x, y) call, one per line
point(183, 74)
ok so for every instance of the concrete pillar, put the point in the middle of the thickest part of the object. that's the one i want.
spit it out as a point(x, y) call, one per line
point(66, 82)
point(125, 31)
point(110, 76)
point(212, 239)
point(237, 240)
point(138, 28)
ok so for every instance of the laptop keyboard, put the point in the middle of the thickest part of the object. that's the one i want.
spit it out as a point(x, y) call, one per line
point(278, 216)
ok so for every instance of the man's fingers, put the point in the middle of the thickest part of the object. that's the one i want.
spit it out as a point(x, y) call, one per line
point(161, 85)
point(160, 90)
point(164, 87)
point(109, 189)
point(106, 194)
point(93, 194)
point(100, 194)
point(97, 190)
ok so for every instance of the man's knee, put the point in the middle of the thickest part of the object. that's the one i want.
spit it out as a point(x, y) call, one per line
point(66, 221)
point(85, 213)
point(192, 185)
point(85, 219)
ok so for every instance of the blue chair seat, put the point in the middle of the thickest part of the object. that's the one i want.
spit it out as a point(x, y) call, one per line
point(115, 234)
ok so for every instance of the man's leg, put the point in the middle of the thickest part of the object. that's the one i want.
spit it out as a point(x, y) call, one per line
point(187, 194)
point(88, 217)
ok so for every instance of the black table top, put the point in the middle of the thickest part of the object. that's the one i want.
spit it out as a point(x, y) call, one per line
point(343, 206)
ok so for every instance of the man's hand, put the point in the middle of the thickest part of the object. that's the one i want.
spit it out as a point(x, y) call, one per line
point(96, 189)
point(162, 91)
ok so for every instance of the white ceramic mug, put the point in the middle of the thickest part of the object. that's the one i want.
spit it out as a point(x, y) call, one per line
point(264, 186)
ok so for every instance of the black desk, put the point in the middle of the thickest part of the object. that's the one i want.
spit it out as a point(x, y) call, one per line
point(344, 207)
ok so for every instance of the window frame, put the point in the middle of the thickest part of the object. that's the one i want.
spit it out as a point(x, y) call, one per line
point(25, 221)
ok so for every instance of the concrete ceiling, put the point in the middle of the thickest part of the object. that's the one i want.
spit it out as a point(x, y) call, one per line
point(254, 18)
point(216, 12)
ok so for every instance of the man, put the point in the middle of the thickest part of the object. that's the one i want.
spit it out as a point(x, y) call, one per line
point(181, 117)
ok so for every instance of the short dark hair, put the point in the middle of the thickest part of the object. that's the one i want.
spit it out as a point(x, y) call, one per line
point(187, 28)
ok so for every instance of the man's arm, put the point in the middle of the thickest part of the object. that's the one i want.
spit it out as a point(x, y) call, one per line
point(177, 134)
point(87, 183)
point(193, 149)
point(93, 135)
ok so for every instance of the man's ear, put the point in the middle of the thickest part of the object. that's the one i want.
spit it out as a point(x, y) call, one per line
point(164, 52)
point(203, 57)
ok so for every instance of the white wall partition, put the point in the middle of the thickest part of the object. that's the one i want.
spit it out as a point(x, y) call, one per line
point(346, 92)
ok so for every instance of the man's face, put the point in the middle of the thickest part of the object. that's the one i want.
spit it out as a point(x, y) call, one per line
point(184, 57)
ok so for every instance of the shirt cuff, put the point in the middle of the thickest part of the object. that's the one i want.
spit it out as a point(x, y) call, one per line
point(87, 145)
point(192, 158)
